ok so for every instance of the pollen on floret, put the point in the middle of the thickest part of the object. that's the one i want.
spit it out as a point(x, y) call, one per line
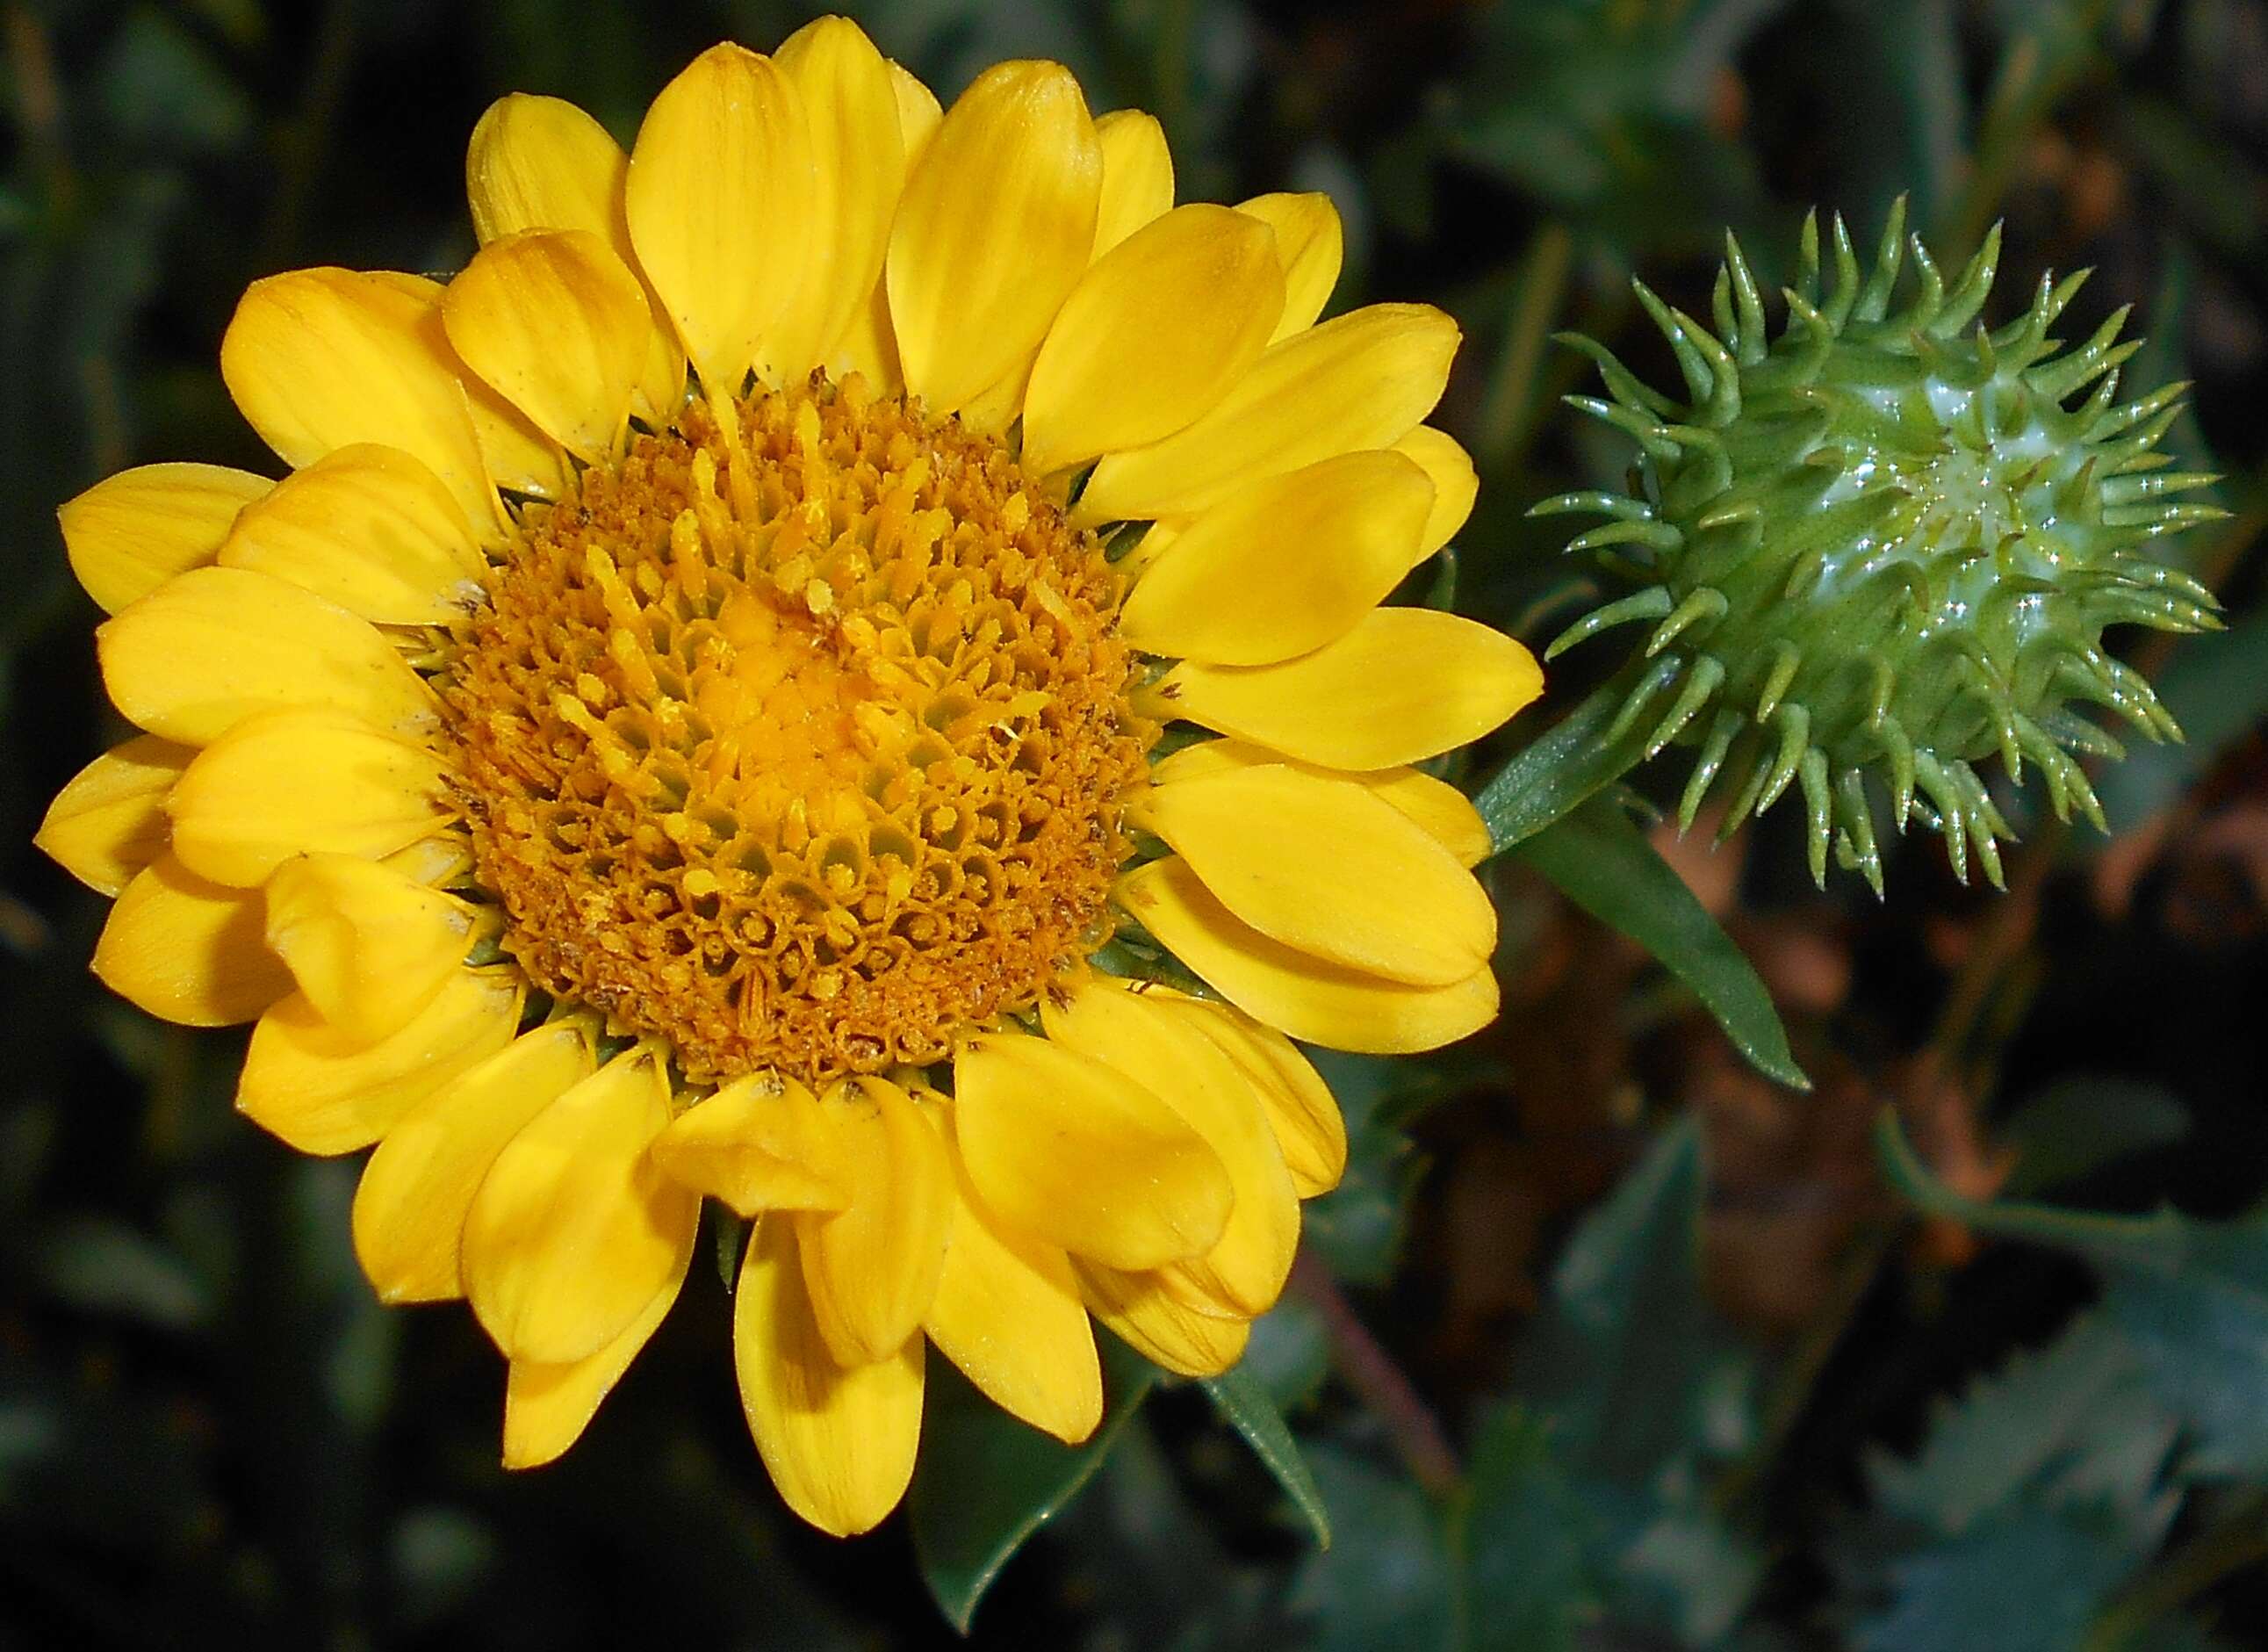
point(802, 746)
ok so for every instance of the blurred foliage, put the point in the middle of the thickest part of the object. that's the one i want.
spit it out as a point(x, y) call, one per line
point(1609, 1340)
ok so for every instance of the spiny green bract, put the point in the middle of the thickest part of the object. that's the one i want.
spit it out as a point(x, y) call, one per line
point(1884, 543)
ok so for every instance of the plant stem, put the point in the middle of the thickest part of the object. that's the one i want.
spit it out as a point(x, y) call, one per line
point(1371, 1371)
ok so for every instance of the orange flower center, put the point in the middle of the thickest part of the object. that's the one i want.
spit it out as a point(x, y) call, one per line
point(800, 752)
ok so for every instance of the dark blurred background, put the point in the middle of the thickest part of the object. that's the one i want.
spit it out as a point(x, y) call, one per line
point(1758, 1406)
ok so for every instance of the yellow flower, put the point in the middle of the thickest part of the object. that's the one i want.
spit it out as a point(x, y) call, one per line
point(694, 712)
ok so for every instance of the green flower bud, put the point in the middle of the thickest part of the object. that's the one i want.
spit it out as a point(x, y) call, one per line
point(1885, 544)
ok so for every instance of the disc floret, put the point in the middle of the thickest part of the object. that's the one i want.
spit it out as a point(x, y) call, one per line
point(1886, 544)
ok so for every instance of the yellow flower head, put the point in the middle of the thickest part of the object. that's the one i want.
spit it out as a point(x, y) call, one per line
point(694, 712)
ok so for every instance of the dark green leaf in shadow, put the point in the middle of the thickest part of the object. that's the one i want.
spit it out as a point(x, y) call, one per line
point(2073, 1418)
point(986, 1482)
point(1610, 1363)
point(98, 1265)
point(1520, 1532)
point(1358, 1225)
point(1599, 860)
point(2081, 1124)
point(2030, 1582)
point(1388, 1582)
point(1290, 1353)
point(1238, 1396)
point(2191, 1296)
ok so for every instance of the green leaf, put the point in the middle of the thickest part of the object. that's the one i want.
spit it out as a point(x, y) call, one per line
point(986, 1482)
point(2030, 1583)
point(2191, 1295)
point(1600, 859)
point(98, 1265)
point(1290, 1353)
point(1387, 1582)
point(1237, 1395)
point(1358, 1225)
point(1524, 1577)
point(1560, 771)
point(1625, 1362)
point(2074, 1128)
point(2073, 1416)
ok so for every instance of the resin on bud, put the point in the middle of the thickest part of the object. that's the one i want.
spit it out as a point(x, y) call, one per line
point(1882, 548)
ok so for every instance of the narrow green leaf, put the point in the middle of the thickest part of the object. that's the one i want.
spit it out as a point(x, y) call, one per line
point(1559, 772)
point(987, 1482)
point(1237, 1395)
point(1601, 860)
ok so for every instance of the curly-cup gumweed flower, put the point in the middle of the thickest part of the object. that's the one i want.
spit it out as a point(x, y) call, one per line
point(717, 674)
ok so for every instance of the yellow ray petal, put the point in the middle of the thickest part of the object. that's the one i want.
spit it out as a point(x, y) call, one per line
point(1157, 1325)
point(996, 222)
point(129, 534)
point(320, 359)
point(859, 166)
point(409, 1206)
point(575, 1229)
point(760, 1143)
point(1405, 683)
point(1301, 1109)
point(1456, 485)
point(1244, 1273)
point(558, 325)
point(1007, 1312)
point(1362, 380)
point(721, 183)
point(1138, 175)
point(369, 946)
point(216, 645)
point(871, 1267)
point(542, 163)
point(1311, 243)
point(1320, 1002)
point(442, 860)
point(188, 951)
point(324, 1092)
point(370, 529)
point(992, 411)
point(547, 1407)
point(516, 454)
point(919, 113)
point(1283, 566)
point(1153, 335)
point(110, 821)
point(839, 1443)
point(1082, 1156)
point(1329, 869)
point(869, 344)
point(287, 783)
point(1446, 813)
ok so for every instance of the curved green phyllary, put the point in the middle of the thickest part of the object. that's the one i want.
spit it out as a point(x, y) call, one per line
point(1885, 544)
